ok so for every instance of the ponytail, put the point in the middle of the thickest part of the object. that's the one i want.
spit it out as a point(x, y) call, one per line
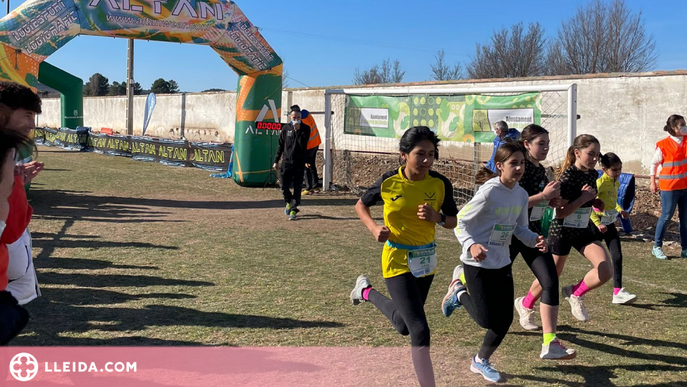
point(581, 142)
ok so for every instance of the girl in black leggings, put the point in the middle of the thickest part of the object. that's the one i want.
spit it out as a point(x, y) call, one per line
point(416, 199)
point(541, 193)
point(485, 228)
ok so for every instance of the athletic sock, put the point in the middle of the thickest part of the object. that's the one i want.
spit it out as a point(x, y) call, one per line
point(616, 291)
point(366, 293)
point(580, 289)
point(548, 338)
point(528, 301)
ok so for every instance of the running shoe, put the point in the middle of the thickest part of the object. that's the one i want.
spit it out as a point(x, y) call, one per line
point(624, 297)
point(579, 311)
point(361, 284)
point(287, 210)
point(485, 369)
point(451, 300)
point(292, 215)
point(657, 251)
point(556, 351)
point(526, 315)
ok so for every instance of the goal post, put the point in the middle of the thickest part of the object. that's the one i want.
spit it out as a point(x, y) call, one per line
point(362, 143)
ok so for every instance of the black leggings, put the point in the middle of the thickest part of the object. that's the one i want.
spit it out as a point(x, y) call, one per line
point(612, 240)
point(489, 303)
point(292, 175)
point(406, 312)
point(543, 267)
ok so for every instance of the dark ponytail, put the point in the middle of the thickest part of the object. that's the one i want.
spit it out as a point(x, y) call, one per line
point(672, 122)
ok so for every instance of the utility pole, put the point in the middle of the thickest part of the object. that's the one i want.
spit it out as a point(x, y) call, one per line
point(129, 89)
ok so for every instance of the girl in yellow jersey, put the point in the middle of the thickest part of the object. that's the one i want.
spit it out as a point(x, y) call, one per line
point(604, 221)
point(415, 200)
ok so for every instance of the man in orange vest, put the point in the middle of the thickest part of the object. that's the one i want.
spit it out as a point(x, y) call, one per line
point(311, 178)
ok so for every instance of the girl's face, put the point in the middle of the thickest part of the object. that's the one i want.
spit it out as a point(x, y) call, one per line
point(421, 158)
point(539, 147)
point(588, 157)
point(7, 181)
point(513, 168)
point(614, 171)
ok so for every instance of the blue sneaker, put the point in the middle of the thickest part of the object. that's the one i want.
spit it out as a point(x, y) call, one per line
point(451, 300)
point(683, 254)
point(287, 210)
point(485, 369)
point(657, 251)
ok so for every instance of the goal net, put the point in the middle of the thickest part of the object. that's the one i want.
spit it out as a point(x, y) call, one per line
point(362, 143)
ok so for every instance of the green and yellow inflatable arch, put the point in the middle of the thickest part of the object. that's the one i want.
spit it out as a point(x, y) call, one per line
point(38, 28)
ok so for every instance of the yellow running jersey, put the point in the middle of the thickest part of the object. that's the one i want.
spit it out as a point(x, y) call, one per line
point(402, 198)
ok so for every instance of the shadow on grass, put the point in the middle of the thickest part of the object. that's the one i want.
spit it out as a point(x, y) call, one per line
point(79, 204)
point(113, 280)
point(572, 335)
point(600, 376)
point(45, 330)
point(84, 264)
point(678, 300)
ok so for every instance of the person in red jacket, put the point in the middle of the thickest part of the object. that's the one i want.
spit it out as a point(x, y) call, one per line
point(13, 221)
point(23, 106)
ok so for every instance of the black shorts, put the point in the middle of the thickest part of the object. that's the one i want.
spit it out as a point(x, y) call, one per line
point(562, 246)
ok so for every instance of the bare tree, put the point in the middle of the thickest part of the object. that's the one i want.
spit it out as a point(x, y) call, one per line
point(386, 73)
point(442, 71)
point(512, 53)
point(604, 38)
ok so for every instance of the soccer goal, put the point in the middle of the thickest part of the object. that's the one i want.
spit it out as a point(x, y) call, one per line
point(362, 143)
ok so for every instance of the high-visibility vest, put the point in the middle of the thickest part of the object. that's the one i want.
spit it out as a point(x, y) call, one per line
point(673, 175)
point(314, 140)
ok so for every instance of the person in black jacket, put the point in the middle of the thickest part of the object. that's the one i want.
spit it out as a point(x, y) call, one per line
point(293, 144)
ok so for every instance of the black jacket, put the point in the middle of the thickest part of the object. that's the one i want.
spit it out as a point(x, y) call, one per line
point(293, 144)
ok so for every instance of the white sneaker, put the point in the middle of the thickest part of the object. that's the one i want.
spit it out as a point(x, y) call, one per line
point(579, 311)
point(556, 351)
point(357, 293)
point(526, 315)
point(624, 297)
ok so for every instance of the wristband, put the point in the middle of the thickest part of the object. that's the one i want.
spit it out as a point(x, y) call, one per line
point(443, 220)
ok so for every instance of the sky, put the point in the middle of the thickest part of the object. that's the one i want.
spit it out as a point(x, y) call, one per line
point(322, 43)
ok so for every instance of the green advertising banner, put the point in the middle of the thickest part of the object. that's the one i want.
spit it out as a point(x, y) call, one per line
point(463, 118)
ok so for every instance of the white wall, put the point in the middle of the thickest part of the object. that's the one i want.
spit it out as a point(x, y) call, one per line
point(626, 112)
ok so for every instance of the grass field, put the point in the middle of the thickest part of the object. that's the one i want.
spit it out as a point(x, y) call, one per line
point(137, 254)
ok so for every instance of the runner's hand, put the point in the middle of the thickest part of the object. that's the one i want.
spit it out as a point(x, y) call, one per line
point(381, 233)
point(624, 214)
point(30, 170)
point(602, 228)
point(588, 192)
point(552, 190)
point(542, 245)
point(426, 212)
point(478, 252)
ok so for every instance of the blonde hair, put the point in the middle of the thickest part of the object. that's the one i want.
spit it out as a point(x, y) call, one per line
point(582, 141)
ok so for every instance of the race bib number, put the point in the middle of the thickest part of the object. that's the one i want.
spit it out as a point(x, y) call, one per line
point(578, 219)
point(538, 211)
point(609, 217)
point(501, 234)
point(422, 262)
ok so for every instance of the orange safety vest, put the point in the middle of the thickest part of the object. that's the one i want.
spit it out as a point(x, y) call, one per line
point(673, 175)
point(314, 141)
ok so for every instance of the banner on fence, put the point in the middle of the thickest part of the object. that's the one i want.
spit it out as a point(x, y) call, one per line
point(211, 156)
point(464, 118)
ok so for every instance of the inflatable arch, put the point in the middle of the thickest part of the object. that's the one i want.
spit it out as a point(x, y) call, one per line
point(38, 28)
